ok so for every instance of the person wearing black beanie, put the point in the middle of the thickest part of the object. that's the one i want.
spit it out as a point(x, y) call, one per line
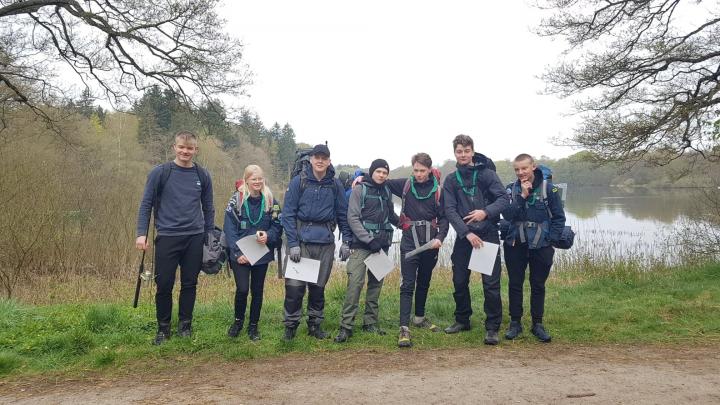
point(370, 216)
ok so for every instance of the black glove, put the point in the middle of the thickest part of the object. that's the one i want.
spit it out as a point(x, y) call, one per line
point(344, 252)
point(375, 245)
point(294, 254)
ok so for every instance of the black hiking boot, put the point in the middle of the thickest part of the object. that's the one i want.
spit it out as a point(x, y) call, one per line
point(185, 329)
point(514, 330)
point(235, 328)
point(163, 334)
point(343, 336)
point(289, 333)
point(374, 329)
point(491, 338)
point(457, 327)
point(316, 331)
point(404, 337)
point(539, 331)
point(253, 333)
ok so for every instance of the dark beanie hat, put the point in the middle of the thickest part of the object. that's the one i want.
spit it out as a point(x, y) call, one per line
point(378, 163)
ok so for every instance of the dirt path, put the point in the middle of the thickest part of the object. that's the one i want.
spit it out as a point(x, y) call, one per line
point(538, 374)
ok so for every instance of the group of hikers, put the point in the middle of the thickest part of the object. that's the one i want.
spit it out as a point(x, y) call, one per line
point(472, 199)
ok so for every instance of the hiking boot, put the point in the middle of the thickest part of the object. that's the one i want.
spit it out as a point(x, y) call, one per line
point(289, 333)
point(253, 333)
point(539, 331)
point(316, 331)
point(457, 327)
point(426, 324)
point(185, 329)
point(491, 338)
point(343, 336)
point(404, 337)
point(235, 328)
point(373, 329)
point(514, 330)
point(163, 334)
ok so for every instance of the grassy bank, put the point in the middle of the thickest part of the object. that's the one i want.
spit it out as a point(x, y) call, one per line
point(598, 305)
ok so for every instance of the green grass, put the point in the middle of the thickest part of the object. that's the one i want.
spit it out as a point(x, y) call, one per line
point(595, 306)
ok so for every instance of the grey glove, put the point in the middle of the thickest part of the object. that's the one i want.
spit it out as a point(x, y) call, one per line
point(294, 254)
point(344, 252)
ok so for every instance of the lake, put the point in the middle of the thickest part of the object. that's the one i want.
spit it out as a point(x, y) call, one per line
point(617, 224)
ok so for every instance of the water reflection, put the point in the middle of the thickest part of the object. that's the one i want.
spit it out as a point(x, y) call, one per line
point(613, 224)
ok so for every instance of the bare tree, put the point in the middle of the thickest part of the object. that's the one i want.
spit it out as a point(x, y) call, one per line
point(120, 47)
point(647, 72)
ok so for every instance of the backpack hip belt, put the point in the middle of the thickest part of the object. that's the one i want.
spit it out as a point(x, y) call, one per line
point(523, 225)
point(328, 224)
point(413, 225)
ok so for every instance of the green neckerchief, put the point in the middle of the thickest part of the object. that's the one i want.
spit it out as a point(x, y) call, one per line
point(262, 210)
point(412, 188)
point(464, 189)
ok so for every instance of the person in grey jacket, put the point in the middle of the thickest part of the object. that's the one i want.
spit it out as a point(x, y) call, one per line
point(370, 217)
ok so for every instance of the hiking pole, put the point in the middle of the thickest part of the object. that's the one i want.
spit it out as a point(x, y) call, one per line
point(279, 262)
point(141, 271)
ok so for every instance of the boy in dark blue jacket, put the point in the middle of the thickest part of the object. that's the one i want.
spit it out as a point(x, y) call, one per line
point(474, 197)
point(181, 193)
point(252, 210)
point(315, 205)
point(536, 221)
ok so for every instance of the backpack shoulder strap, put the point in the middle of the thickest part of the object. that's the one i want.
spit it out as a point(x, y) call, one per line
point(303, 182)
point(406, 188)
point(164, 176)
point(544, 196)
point(362, 196)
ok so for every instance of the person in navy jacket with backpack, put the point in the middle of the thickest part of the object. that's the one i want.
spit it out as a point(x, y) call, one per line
point(315, 205)
point(251, 211)
point(535, 223)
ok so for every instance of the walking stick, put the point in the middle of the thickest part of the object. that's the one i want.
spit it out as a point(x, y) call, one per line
point(139, 280)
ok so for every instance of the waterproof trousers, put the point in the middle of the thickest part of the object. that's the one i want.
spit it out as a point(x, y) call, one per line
point(295, 289)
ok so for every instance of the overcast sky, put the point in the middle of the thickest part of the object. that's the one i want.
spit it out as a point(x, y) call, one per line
point(382, 79)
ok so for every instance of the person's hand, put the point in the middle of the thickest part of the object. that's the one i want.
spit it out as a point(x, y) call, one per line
point(475, 216)
point(294, 254)
point(141, 243)
point(474, 240)
point(261, 237)
point(375, 245)
point(344, 252)
point(436, 244)
point(243, 260)
point(526, 186)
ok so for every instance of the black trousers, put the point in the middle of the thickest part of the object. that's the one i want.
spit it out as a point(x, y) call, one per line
point(461, 281)
point(416, 274)
point(249, 279)
point(517, 259)
point(171, 251)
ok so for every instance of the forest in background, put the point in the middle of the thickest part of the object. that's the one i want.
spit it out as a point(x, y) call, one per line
point(69, 204)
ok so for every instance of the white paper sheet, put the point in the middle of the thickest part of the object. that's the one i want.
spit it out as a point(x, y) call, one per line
point(379, 264)
point(305, 270)
point(251, 249)
point(482, 259)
